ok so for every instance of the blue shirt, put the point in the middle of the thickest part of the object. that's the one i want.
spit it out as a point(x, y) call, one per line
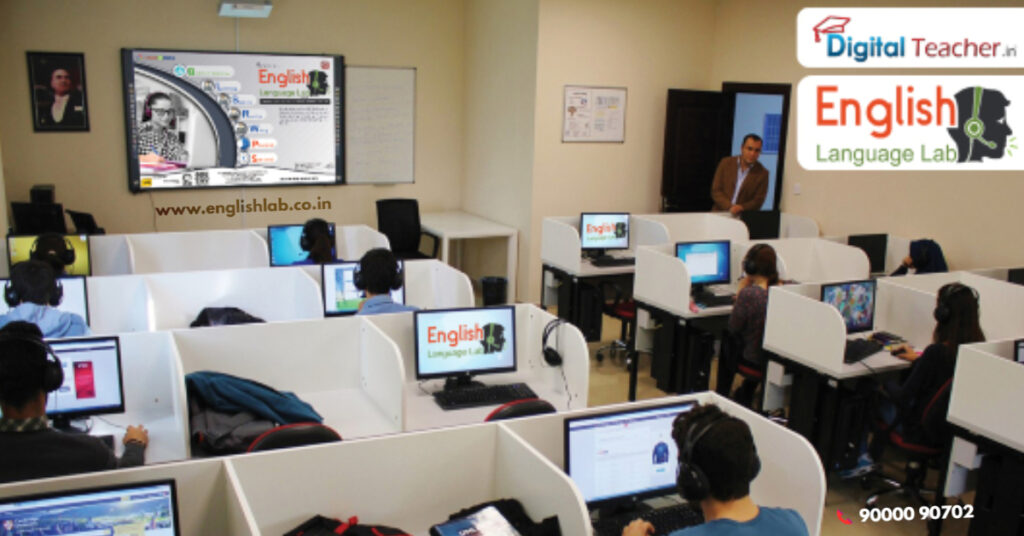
point(381, 304)
point(52, 322)
point(774, 521)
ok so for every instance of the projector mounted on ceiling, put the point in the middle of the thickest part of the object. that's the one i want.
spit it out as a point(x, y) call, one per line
point(253, 9)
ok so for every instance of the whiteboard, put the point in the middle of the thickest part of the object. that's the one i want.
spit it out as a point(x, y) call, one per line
point(380, 113)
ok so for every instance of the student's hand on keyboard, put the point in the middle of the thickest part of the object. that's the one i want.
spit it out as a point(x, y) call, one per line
point(904, 351)
point(638, 527)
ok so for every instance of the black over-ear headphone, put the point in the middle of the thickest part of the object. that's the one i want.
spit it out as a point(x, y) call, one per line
point(942, 312)
point(749, 264)
point(691, 480)
point(66, 256)
point(52, 373)
point(551, 355)
point(396, 283)
point(13, 297)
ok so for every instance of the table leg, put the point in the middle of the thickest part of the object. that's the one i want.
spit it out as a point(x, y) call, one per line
point(444, 249)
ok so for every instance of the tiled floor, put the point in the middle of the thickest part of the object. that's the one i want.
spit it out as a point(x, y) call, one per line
point(609, 383)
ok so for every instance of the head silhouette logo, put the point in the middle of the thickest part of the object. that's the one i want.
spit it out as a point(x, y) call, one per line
point(830, 25)
point(494, 338)
point(317, 83)
point(982, 130)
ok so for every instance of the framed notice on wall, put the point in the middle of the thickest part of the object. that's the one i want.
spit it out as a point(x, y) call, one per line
point(595, 114)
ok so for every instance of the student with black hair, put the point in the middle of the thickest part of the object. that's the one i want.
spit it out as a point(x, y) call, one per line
point(31, 449)
point(318, 240)
point(54, 249)
point(377, 275)
point(957, 321)
point(717, 462)
point(750, 310)
point(33, 293)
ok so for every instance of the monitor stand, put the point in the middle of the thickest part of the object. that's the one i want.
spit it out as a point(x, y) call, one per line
point(69, 426)
point(699, 291)
point(460, 381)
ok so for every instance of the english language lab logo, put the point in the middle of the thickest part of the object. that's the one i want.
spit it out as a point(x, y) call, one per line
point(982, 130)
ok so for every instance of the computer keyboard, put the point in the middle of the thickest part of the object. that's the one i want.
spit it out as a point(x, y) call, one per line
point(607, 260)
point(488, 395)
point(714, 300)
point(858, 349)
point(665, 520)
point(884, 337)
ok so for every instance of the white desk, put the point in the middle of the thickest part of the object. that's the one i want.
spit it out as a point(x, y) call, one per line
point(458, 225)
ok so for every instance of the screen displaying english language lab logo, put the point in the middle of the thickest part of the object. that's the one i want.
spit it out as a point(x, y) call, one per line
point(458, 340)
point(908, 123)
point(910, 37)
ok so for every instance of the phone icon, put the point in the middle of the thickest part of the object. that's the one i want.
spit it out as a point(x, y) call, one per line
point(839, 513)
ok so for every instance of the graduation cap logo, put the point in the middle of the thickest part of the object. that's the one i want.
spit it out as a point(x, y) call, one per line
point(831, 24)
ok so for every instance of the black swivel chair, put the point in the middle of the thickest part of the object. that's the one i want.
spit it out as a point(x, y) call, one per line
point(85, 223)
point(732, 362)
point(623, 309)
point(294, 435)
point(38, 218)
point(399, 220)
point(521, 408)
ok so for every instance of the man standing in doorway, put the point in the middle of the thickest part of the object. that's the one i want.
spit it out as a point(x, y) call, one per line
point(741, 182)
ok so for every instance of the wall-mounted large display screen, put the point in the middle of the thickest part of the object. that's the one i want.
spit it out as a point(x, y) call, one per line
point(225, 119)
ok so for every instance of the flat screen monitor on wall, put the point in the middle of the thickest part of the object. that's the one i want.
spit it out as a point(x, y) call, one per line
point(225, 119)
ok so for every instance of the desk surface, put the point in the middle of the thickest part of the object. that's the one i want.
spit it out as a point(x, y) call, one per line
point(879, 362)
point(423, 413)
point(456, 225)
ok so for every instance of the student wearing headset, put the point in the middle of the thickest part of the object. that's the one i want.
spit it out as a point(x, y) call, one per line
point(957, 321)
point(31, 449)
point(377, 275)
point(751, 308)
point(318, 240)
point(33, 293)
point(55, 249)
point(717, 462)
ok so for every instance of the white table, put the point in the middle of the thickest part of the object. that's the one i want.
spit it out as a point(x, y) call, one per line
point(457, 225)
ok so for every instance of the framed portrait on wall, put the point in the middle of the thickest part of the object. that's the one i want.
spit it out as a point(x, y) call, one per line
point(57, 88)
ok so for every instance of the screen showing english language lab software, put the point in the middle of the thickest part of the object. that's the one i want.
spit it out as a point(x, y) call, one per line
point(465, 340)
point(284, 245)
point(604, 231)
point(623, 454)
point(73, 301)
point(92, 376)
point(855, 301)
point(19, 248)
point(707, 262)
point(141, 509)
point(340, 293)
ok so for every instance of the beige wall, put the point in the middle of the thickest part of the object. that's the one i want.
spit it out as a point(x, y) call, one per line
point(646, 47)
point(501, 75)
point(89, 169)
point(975, 216)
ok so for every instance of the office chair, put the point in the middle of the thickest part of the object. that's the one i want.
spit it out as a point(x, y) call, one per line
point(38, 218)
point(521, 408)
point(294, 435)
point(622, 309)
point(399, 220)
point(929, 441)
point(85, 223)
point(732, 362)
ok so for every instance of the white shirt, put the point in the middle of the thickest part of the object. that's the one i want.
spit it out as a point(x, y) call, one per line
point(60, 102)
point(740, 176)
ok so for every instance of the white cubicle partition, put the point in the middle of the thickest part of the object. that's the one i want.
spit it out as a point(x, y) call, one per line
point(663, 281)
point(410, 481)
point(987, 392)
point(429, 284)
point(208, 500)
point(1001, 302)
point(547, 381)
point(204, 250)
point(350, 241)
point(813, 260)
point(110, 254)
point(119, 304)
point(791, 474)
point(651, 229)
point(812, 333)
point(796, 226)
point(346, 368)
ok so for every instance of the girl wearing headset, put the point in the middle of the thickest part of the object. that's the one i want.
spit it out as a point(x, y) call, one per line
point(751, 308)
point(957, 321)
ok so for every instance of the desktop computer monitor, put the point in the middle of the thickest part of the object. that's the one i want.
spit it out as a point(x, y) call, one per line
point(762, 224)
point(19, 248)
point(623, 456)
point(1015, 275)
point(458, 343)
point(855, 301)
point(75, 297)
point(707, 262)
point(149, 508)
point(599, 232)
point(285, 248)
point(92, 379)
point(874, 245)
point(341, 297)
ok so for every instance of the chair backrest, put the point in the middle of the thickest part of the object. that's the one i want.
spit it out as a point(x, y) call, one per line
point(399, 220)
point(521, 408)
point(933, 418)
point(38, 218)
point(294, 435)
point(84, 223)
